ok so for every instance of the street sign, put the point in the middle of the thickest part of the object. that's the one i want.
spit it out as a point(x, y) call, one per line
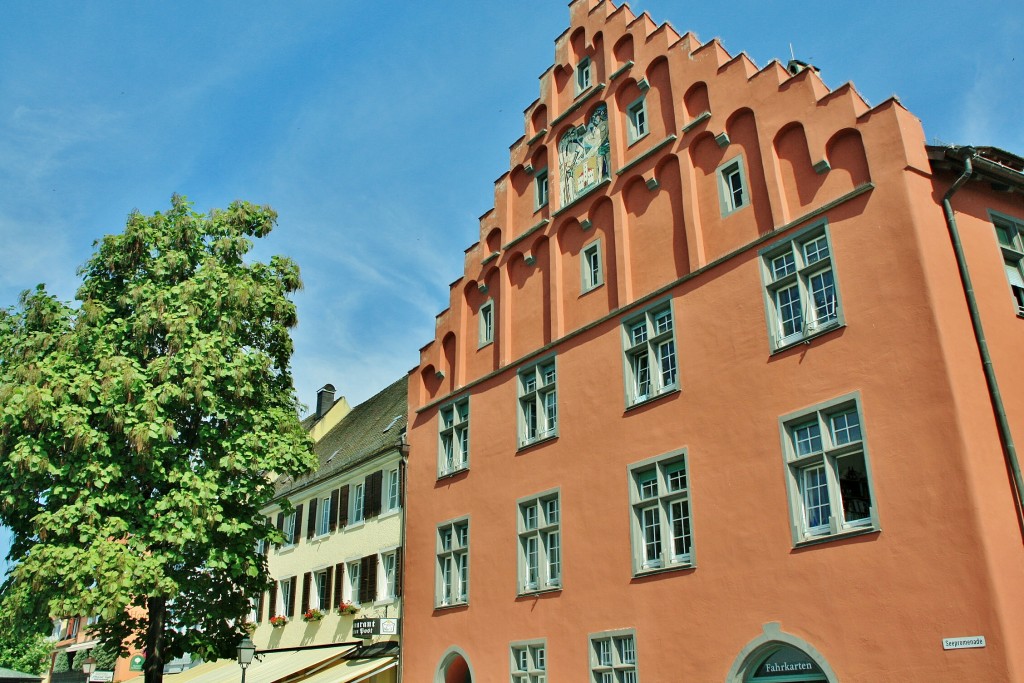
point(963, 643)
point(101, 677)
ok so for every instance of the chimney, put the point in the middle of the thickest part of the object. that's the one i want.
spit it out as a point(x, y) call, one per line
point(324, 400)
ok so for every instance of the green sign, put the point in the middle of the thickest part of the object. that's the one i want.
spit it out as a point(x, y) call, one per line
point(787, 663)
point(136, 663)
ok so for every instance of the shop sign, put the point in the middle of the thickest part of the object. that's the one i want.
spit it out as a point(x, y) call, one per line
point(101, 677)
point(367, 628)
point(784, 663)
point(963, 643)
point(136, 663)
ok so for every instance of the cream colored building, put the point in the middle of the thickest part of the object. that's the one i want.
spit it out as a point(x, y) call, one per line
point(341, 560)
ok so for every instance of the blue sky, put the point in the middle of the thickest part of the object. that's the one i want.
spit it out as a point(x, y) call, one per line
point(376, 129)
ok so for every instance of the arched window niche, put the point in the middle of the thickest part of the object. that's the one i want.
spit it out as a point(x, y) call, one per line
point(454, 668)
point(777, 657)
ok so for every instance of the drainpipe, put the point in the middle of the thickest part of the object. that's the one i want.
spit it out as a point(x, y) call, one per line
point(403, 468)
point(1005, 435)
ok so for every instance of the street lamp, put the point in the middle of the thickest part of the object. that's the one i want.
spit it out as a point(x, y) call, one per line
point(88, 666)
point(246, 651)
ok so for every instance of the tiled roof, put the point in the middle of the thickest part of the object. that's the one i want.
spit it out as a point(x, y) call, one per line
point(372, 427)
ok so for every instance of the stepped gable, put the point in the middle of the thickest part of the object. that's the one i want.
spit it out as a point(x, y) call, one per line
point(369, 429)
point(804, 145)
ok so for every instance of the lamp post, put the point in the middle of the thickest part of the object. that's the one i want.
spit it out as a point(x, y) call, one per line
point(88, 666)
point(246, 651)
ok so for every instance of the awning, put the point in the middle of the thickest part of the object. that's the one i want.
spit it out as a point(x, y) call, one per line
point(350, 671)
point(82, 646)
point(270, 667)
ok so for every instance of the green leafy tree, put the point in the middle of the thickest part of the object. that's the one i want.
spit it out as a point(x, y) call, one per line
point(139, 430)
point(29, 655)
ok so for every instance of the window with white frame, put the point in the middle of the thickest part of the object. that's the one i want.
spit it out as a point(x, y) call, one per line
point(352, 588)
point(829, 475)
point(1010, 234)
point(590, 268)
point(391, 482)
point(387, 586)
point(454, 436)
point(660, 526)
point(800, 287)
point(650, 354)
point(486, 323)
point(286, 606)
point(528, 661)
point(636, 114)
point(288, 529)
point(321, 584)
point(355, 515)
point(323, 519)
point(452, 584)
point(540, 543)
point(584, 75)
point(540, 189)
point(613, 657)
point(733, 193)
point(538, 402)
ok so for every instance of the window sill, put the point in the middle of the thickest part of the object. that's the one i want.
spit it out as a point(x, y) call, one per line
point(526, 445)
point(828, 538)
point(452, 473)
point(637, 139)
point(285, 549)
point(355, 525)
point(484, 344)
point(384, 603)
point(831, 327)
point(651, 399)
point(388, 513)
point(674, 567)
point(450, 606)
point(538, 591)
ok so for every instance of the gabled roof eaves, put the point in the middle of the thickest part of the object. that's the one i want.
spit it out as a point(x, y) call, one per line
point(374, 427)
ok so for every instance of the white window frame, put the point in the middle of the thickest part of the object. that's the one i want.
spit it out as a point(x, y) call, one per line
point(453, 437)
point(637, 126)
point(451, 584)
point(386, 576)
point(817, 442)
point(323, 520)
point(613, 657)
point(733, 188)
point(353, 568)
point(289, 530)
point(591, 266)
point(284, 588)
point(539, 551)
point(391, 489)
point(538, 402)
point(542, 193)
point(486, 331)
point(357, 505)
point(319, 591)
point(801, 288)
point(528, 661)
point(1010, 237)
point(584, 75)
point(660, 514)
point(650, 354)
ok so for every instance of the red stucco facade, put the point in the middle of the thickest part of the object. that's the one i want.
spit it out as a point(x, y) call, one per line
point(922, 540)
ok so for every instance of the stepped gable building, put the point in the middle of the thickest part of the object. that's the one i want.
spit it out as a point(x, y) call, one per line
point(725, 393)
point(342, 558)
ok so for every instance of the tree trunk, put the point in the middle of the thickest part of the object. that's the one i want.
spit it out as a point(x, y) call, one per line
point(154, 666)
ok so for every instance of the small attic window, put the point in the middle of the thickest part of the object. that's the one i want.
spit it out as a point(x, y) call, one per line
point(391, 424)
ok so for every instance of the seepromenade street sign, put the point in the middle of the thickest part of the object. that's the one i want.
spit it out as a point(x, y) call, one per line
point(963, 643)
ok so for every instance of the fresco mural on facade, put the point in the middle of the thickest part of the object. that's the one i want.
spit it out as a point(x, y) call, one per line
point(583, 156)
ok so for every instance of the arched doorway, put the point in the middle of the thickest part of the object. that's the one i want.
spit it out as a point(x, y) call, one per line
point(454, 668)
point(784, 664)
point(779, 657)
